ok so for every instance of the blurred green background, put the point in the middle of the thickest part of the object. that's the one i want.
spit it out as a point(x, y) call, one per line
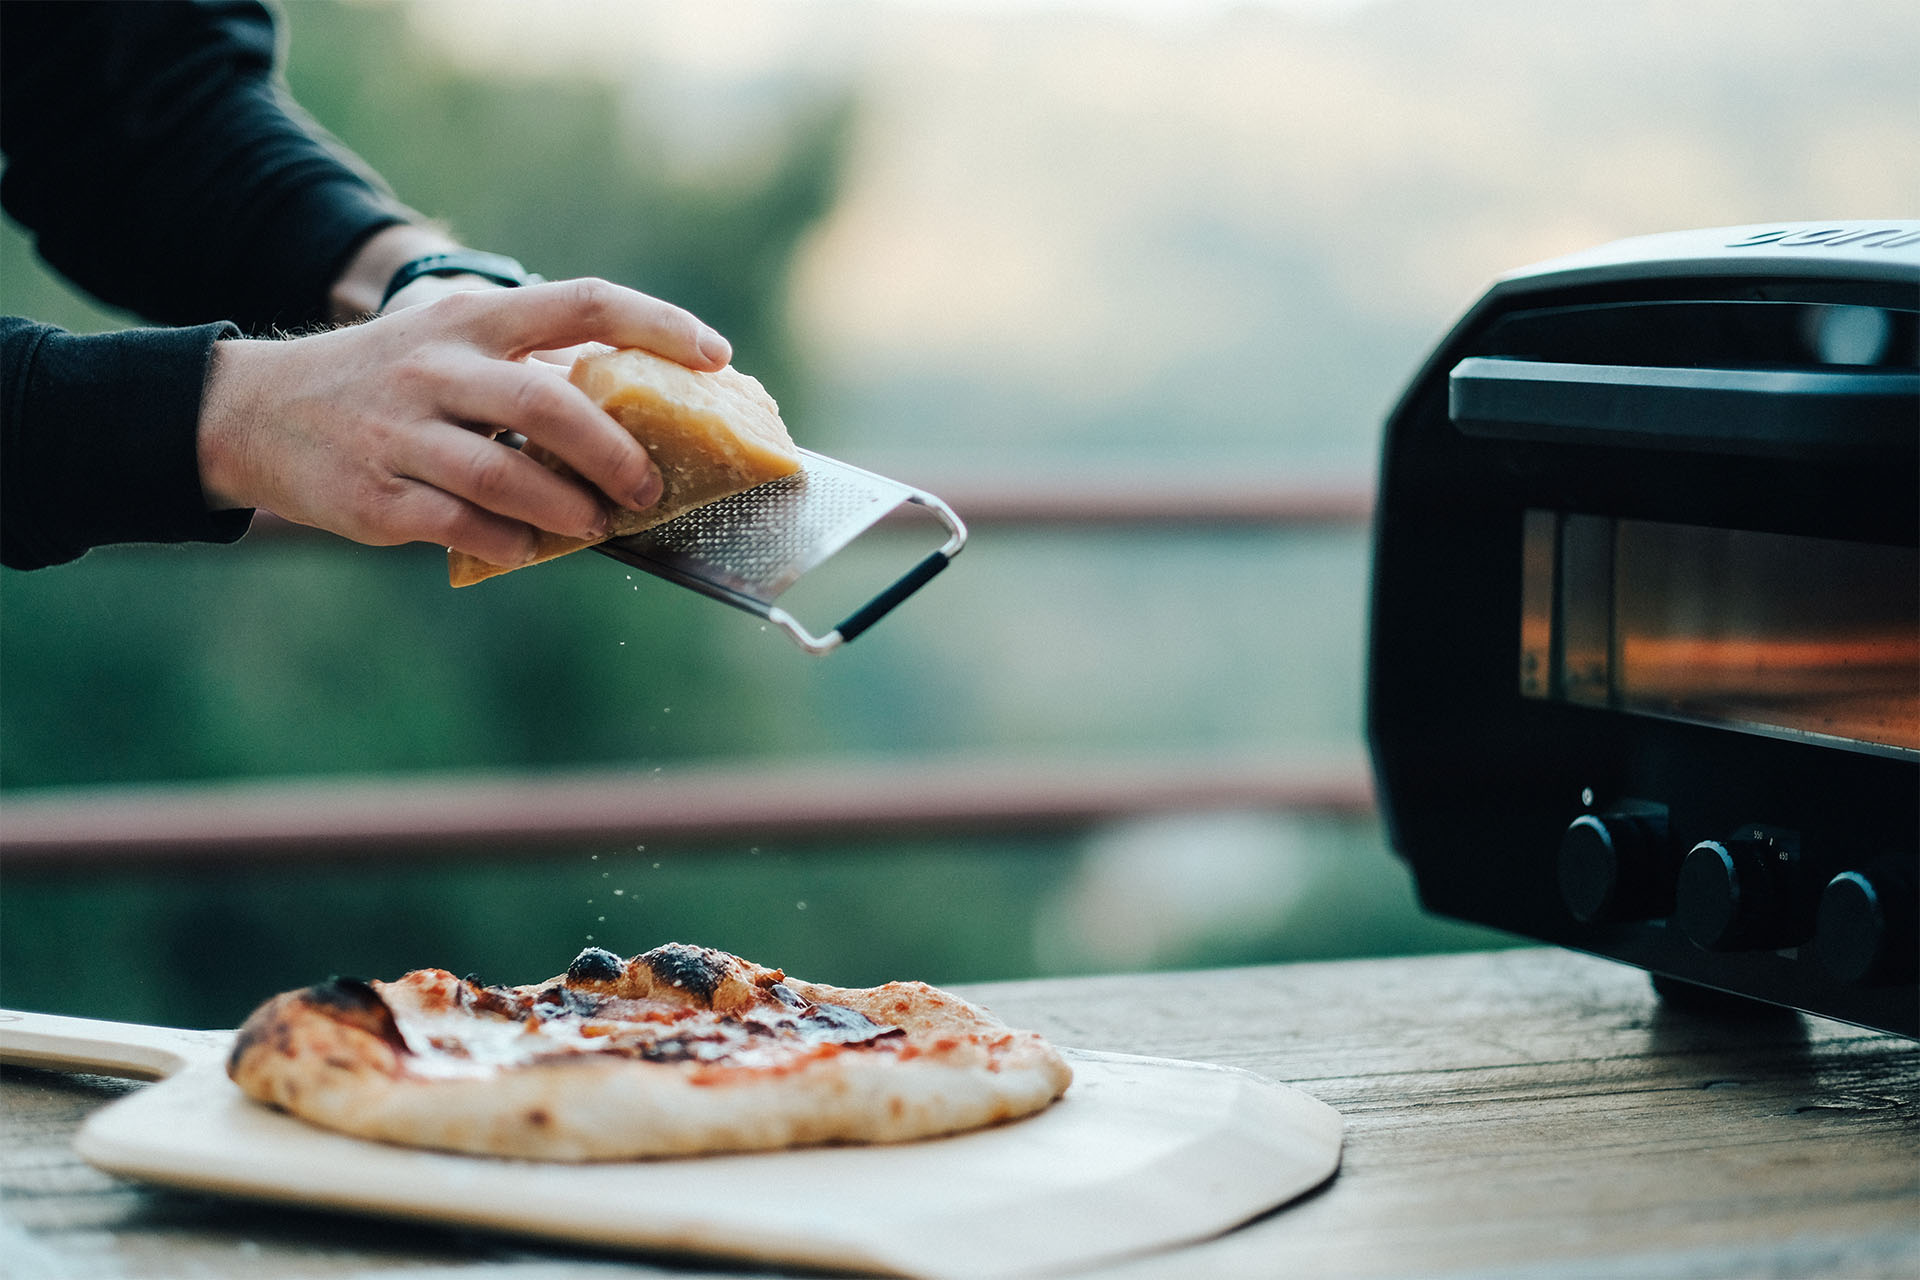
point(955, 241)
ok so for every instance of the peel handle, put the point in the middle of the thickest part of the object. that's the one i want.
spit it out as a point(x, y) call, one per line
point(53, 1042)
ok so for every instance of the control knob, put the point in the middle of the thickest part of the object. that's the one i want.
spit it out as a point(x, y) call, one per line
point(1864, 932)
point(1737, 895)
point(1606, 868)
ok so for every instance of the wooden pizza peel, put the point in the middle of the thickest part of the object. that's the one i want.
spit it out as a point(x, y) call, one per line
point(1142, 1154)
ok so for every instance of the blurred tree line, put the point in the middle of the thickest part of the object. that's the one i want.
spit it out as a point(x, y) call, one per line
point(292, 655)
point(556, 173)
point(305, 654)
point(313, 655)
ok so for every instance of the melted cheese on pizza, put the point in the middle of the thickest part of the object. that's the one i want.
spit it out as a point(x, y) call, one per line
point(456, 1027)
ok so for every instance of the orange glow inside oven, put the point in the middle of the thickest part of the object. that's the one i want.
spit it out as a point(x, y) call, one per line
point(1767, 632)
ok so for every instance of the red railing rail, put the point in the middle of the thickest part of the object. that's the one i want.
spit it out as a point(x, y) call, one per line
point(524, 813)
point(1172, 500)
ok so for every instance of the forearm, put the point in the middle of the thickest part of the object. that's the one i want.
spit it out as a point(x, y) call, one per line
point(99, 441)
point(155, 160)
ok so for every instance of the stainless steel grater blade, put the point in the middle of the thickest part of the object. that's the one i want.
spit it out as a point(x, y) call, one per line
point(748, 549)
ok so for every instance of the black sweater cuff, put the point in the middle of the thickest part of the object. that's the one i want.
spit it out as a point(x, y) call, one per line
point(99, 441)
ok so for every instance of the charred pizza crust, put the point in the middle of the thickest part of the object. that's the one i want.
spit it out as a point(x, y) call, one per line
point(680, 1051)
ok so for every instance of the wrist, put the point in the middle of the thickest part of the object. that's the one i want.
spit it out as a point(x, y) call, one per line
point(457, 263)
point(227, 414)
point(362, 286)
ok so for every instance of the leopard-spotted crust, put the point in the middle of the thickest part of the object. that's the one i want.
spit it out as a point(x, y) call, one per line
point(679, 1051)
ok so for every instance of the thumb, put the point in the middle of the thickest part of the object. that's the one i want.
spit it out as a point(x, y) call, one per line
point(565, 313)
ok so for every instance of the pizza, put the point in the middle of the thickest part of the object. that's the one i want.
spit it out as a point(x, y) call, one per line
point(683, 1050)
point(711, 435)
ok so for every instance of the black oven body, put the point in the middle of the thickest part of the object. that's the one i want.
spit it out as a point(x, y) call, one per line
point(1642, 674)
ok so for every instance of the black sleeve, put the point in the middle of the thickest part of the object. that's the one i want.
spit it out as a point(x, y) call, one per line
point(98, 441)
point(160, 165)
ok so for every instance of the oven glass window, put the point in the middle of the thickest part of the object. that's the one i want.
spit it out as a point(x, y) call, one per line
point(1787, 636)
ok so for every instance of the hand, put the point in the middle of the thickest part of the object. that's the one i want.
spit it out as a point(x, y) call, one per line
point(355, 293)
point(428, 288)
point(383, 431)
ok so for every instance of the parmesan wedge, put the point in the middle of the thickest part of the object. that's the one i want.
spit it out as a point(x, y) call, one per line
point(710, 434)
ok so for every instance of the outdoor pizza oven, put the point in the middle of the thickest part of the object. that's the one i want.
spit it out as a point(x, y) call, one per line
point(1645, 660)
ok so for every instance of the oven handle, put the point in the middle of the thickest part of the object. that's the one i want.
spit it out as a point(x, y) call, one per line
point(1778, 413)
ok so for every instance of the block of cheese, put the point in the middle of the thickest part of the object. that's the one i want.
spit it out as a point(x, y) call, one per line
point(710, 434)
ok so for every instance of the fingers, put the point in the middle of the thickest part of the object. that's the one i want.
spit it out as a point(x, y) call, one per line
point(503, 482)
point(536, 404)
point(420, 512)
point(517, 322)
point(380, 431)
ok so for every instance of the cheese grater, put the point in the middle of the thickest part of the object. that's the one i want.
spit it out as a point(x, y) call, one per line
point(748, 549)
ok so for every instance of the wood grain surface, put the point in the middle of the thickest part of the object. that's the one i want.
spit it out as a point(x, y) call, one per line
point(1511, 1114)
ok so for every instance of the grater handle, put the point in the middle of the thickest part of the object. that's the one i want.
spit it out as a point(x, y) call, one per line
point(883, 604)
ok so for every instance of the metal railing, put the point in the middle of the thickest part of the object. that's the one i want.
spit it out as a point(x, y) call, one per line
point(348, 817)
point(421, 815)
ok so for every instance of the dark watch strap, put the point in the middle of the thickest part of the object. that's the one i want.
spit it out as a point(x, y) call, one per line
point(496, 267)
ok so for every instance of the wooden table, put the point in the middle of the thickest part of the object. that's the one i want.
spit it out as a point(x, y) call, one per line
point(1511, 1114)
